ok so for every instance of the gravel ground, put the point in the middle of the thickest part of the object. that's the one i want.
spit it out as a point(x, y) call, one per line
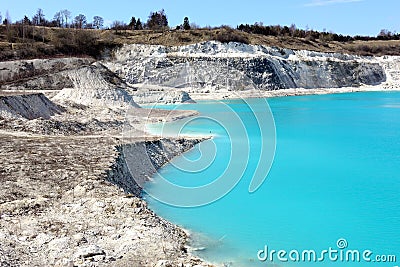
point(57, 208)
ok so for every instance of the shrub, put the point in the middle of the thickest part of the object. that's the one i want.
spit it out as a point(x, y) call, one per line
point(229, 35)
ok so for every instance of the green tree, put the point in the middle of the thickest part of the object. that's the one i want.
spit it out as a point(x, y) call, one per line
point(157, 20)
point(132, 23)
point(186, 24)
point(26, 21)
point(138, 25)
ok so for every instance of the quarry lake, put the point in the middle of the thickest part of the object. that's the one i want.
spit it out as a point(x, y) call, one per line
point(333, 188)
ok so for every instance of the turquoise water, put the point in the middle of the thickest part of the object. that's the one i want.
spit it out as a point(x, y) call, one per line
point(336, 174)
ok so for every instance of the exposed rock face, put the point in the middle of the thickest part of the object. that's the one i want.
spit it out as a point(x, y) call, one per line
point(236, 66)
point(31, 106)
point(169, 74)
point(391, 65)
point(162, 96)
point(142, 159)
point(95, 85)
point(38, 74)
point(96, 97)
point(94, 76)
point(56, 74)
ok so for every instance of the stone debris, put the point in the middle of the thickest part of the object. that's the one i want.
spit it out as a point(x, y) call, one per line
point(214, 67)
point(58, 156)
point(30, 106)
point(90, 251)
point(57, 209)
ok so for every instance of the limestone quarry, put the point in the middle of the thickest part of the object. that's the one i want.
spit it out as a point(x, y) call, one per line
point(68, 197)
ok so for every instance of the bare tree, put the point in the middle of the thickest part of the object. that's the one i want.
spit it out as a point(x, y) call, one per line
point(7, 22)
point(89, 26)
point(1, 18)
point(35, 20)
point(38, 18)
point(293, 29)
point(80, 21)
point(385, 33)
point(118, 25)
point(59, 18)
point(25, 24)
point(66, 14)
point(7, 19)
point(194, 26)
point(98, 22)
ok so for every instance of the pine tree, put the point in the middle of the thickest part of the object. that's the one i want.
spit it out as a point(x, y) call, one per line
point(26, 21)
point(186, 24)
point(138, 25)
point(132, 24)
point(157, 20)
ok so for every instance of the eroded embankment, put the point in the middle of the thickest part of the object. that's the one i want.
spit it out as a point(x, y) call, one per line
point(138, 161)
point(29, 106)
point(213, 66)
point(56, 208)
point(39, 73)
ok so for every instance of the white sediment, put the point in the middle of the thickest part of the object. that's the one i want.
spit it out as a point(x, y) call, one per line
point(212, 70)
point(96, 104)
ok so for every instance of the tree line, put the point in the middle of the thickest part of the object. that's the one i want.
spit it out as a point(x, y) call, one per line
point(157, 20)
point(65, 34)
point(293, 31)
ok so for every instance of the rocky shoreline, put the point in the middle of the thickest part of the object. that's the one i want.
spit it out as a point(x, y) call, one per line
point(57, 209)
point(142, 159)
point(68, 195)
point(62, 158)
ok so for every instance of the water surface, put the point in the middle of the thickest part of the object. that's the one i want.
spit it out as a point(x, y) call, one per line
point(336, 174)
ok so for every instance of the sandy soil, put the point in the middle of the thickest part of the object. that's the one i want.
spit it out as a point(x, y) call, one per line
point(67, 198)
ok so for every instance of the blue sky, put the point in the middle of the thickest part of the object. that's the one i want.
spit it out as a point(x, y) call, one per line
point(364, 17)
